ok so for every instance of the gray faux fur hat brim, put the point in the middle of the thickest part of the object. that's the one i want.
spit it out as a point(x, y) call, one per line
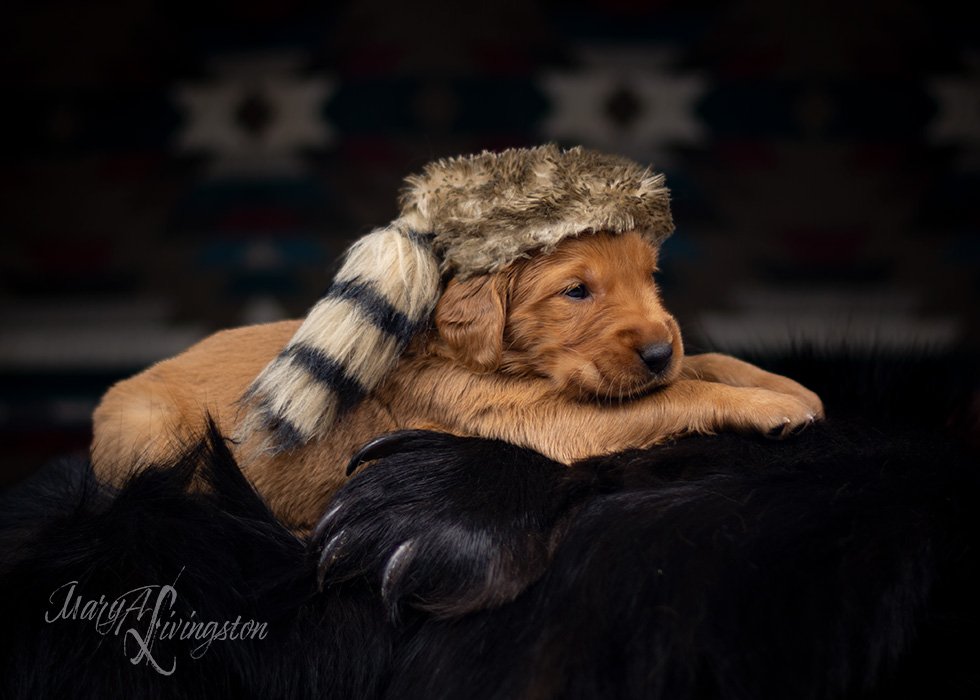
point(460, 217)
point(485, 211)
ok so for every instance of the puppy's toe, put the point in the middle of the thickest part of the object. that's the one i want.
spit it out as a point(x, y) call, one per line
point(790, 427)
point(780, 431)
point(810, 418)
point(813, 402)
point(785, 385)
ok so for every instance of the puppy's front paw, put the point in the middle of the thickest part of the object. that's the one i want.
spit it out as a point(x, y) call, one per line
point(774, 414)
point(715, 367)
point(785, 385)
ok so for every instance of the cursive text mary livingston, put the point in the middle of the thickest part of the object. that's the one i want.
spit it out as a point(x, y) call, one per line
point(145, 616)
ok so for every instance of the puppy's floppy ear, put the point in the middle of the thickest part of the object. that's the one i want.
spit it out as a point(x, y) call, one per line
point(470, 318)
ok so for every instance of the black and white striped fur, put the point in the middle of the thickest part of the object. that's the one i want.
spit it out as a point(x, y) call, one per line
point(385, 291)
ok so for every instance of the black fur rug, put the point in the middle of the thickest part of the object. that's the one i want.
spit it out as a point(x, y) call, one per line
point(841, 563)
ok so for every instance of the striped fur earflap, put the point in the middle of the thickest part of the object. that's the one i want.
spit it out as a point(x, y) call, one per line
point(462, 216)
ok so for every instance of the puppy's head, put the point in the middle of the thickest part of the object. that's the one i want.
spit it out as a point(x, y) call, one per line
point(587, 316)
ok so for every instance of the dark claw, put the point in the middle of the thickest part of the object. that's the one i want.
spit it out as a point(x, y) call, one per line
point(331, 550)
point(383, 446)
point(324, 523)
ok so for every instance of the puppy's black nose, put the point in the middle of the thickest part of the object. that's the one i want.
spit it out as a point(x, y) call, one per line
point(656, 356)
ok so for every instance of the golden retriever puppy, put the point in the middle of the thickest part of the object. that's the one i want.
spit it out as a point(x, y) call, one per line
point(567, 351)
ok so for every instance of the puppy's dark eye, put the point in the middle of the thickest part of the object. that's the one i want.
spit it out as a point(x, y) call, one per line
point(579, 291)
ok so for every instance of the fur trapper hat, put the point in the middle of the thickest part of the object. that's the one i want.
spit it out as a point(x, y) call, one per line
point(460, 217)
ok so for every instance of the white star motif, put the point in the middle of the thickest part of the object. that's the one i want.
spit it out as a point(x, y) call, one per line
point(663, 102)
point(293, 121)
point(958, 118)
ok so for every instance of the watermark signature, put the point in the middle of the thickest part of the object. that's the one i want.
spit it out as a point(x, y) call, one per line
point(146, 615)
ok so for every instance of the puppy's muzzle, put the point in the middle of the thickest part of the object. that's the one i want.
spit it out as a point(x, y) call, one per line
point(656, 356)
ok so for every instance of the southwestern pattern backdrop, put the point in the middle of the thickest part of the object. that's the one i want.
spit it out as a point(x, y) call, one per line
point(170, 168)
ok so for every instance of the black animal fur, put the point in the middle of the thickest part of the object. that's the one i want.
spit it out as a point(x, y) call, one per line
point(839, 564)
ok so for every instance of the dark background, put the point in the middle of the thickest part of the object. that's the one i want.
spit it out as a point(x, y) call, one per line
point(169, 168)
